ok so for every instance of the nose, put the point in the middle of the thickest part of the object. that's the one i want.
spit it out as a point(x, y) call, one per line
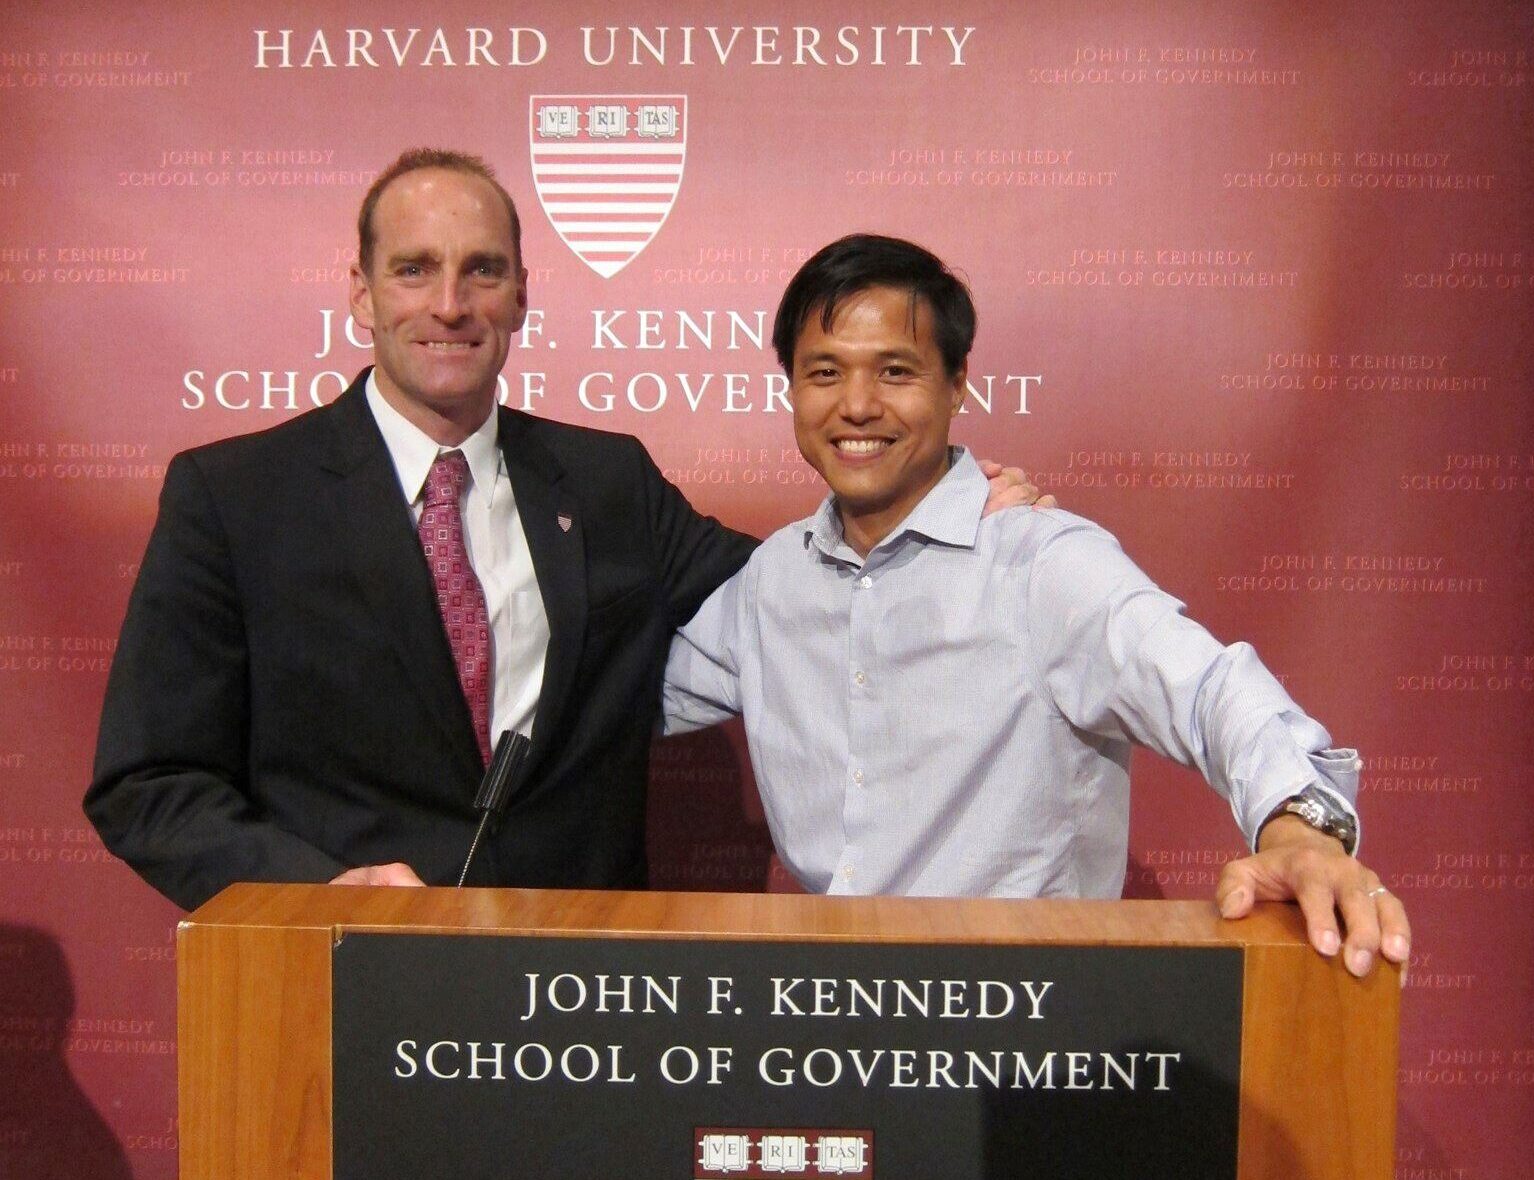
point(860, 400)
point(447, 302)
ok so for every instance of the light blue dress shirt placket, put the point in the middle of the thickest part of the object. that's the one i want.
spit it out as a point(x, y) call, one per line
point(866, 713)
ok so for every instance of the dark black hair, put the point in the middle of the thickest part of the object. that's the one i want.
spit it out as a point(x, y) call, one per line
point(851, 265)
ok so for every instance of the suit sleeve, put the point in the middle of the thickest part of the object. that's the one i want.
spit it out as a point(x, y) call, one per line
point(1120, 659)
point(170, 787)
point(694, 554)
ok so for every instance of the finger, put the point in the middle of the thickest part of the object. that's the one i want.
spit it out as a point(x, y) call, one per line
point(1360, 916)
point(396, 873)
point(989, 468)
point(1046, 502)
point(1318, 905)
point(1395, 930)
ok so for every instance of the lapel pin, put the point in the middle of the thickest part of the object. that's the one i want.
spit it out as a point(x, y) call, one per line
point(564, 522)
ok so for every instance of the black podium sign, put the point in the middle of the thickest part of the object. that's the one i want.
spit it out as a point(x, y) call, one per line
point(481, 1056)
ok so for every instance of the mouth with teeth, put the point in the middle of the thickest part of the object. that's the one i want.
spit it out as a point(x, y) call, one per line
point(861, 447)
point(449, 345)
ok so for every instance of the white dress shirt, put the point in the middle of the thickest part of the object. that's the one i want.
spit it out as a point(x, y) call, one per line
point(497, 545)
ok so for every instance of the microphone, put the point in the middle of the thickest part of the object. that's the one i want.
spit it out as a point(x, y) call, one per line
point(495, 788)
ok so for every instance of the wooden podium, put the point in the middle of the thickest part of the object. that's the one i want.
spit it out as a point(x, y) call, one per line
point(1318, 1048)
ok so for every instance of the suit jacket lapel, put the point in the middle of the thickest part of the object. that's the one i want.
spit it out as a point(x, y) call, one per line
point(383, 553)
point(551, 520)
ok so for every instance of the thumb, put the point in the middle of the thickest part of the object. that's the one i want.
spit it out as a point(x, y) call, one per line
point(1236, 892)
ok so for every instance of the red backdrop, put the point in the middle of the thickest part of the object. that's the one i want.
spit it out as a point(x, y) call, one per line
point(1254, 289)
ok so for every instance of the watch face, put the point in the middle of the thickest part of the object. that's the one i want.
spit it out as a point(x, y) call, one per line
point(1330, 820)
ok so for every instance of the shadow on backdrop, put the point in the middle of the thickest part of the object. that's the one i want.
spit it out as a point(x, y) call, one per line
point(48, 1128)
point(707, 832)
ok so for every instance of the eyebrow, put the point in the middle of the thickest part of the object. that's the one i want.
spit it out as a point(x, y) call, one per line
point(495, 258)
point(417, 257)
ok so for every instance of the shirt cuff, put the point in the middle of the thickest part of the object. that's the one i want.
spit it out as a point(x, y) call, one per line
point(1288, 757)
point(1338, 771)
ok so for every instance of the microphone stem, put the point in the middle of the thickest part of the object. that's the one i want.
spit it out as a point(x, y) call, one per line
point(468, 860)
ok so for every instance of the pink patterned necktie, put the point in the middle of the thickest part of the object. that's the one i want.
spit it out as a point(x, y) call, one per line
point(459, 595)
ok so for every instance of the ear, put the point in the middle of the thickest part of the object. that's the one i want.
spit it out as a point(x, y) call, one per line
point(960, 386)
point(521, 299)
point(361, 298)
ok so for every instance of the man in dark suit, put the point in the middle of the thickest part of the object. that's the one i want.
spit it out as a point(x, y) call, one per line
point(286, 703)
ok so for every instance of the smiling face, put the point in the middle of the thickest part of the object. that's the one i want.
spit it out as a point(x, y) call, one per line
point(443, 296)
point(872, 406)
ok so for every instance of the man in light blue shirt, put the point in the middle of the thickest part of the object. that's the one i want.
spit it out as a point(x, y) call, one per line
point(941, 703)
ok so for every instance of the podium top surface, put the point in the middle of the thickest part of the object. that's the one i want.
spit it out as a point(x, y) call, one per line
point(615, 913)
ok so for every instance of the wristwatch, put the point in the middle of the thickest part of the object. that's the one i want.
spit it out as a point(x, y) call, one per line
point(1322, 812)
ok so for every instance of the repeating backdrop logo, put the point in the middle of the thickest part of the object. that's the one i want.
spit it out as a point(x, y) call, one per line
point(607, 169)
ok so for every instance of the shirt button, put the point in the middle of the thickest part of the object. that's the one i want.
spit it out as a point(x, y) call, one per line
point(865, 581)
point(847, 872)
point(857, 776)
point(860, 678)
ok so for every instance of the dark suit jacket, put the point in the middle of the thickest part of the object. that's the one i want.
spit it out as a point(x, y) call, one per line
point(284, 705)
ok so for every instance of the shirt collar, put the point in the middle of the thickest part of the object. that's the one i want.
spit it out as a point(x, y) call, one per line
point(413, 452)
point(949, 514)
